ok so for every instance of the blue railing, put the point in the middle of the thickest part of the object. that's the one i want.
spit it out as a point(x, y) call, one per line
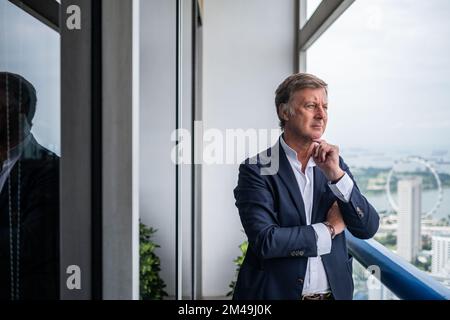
point(401, 277)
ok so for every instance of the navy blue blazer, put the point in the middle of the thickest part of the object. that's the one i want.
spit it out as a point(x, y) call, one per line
point(272, 213)
point(38, 183)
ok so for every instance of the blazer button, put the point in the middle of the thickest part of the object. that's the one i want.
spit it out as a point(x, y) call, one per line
point(300, 280)
point(301, 253)
point(359, 212)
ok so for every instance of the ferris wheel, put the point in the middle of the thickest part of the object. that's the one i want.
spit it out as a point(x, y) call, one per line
point(430, 167)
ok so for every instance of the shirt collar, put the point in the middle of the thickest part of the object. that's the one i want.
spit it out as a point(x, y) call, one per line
point(292, 154)
point(15, 153)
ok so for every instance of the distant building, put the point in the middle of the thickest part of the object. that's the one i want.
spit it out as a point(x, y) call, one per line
point(409, 217)
point(440, 261)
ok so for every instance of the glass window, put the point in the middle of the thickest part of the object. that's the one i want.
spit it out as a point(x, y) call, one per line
point(386, 63)
point(368, 287)
point(29, 156)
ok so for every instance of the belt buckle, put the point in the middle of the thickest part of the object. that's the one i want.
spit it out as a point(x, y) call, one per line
point(316, 296)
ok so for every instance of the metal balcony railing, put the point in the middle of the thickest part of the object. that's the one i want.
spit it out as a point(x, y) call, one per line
point(399, 276)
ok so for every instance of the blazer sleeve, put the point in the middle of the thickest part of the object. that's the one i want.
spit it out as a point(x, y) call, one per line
point(267, 238)
point(360, 217)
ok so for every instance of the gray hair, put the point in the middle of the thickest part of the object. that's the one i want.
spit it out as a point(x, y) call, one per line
point(289, 86)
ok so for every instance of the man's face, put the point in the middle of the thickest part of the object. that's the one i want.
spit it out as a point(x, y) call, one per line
point(13, 118)
point(309, 119)
point(2, 113)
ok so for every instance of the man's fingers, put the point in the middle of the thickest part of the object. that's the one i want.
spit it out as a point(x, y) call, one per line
point(334, 207)
point(312, 148)
point(316, 149)
point(321, 152)
point(321, 149)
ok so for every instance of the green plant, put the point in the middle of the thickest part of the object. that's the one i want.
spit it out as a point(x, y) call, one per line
point(238, 261)
point(151, 285)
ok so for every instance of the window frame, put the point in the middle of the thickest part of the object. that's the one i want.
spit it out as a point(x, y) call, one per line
point(46, 11)
point(311, 29)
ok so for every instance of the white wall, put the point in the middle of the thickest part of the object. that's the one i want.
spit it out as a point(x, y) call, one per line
point(249, 48)
point(157, 123)
point(157, 173)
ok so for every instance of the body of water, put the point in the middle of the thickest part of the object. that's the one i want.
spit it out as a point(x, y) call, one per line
point(429, 199)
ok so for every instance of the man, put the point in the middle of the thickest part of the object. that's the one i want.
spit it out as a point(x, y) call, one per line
point(29, 199)
point(295, 216)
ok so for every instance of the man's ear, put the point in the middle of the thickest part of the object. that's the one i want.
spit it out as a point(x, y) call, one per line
point(284, 112)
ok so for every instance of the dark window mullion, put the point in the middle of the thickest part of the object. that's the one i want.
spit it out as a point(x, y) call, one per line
point(46, 11)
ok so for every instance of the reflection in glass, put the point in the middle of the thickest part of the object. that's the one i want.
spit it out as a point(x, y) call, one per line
point(367, 286)
point(29, 172)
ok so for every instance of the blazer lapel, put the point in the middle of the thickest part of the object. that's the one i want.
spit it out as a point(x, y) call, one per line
point(9, 206)
point(320, 182)
point(287, 176)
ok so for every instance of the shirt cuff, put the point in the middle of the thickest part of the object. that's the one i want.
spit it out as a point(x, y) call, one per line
point(343, 188)
point(323, 238)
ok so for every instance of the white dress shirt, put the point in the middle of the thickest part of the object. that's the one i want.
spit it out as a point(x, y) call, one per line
point(316, 280)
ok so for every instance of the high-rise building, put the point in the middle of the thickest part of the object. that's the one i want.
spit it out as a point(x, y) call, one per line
point(440, 261)
point(409, 215)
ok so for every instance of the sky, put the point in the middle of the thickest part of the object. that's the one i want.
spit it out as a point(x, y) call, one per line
point(388, 69)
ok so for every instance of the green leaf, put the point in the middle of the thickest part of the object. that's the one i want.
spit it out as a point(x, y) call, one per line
point(151, 284)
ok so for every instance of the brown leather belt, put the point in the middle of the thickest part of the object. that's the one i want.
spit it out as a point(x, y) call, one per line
point(318, 296)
